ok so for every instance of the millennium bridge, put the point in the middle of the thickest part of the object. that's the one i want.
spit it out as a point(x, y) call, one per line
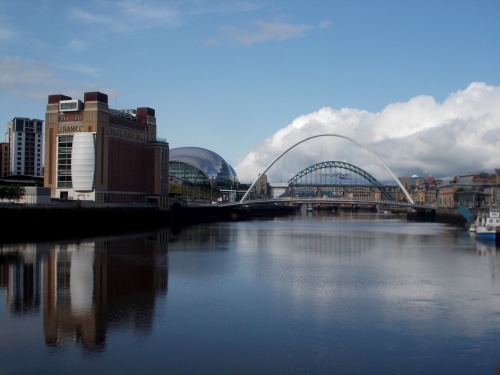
point(335, 203)
point(329, 182)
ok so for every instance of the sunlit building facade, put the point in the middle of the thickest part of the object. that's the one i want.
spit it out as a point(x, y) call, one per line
point(95, 153)
point(25, 138)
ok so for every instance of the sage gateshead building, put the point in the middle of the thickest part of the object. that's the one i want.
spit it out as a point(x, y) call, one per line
point(95, 153)
point(201, 167)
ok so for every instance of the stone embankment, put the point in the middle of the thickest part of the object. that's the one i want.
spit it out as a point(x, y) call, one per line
point(22, 223)
point(440, 215)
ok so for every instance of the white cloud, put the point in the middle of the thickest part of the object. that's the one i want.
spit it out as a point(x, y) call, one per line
point(147, 11)
point(420, 136)
point(125, 16)
point(17, 73)
point(77, 45)
point(262, 31)
point(7, 34)
point(36, 79)
point(108, 21)
point(82, 69)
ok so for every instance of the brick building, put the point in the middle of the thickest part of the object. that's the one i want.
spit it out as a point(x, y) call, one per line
point(95, 153)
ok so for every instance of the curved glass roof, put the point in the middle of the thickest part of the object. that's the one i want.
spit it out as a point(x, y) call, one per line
point(209, 162)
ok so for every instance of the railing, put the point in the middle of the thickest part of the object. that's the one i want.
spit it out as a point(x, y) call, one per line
point(333, 201)
point(157, 140)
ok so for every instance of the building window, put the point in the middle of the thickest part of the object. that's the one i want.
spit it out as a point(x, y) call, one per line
point(19, 127)
point(64, 148)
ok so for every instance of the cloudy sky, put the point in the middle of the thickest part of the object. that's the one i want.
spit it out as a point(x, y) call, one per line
point(416, 82)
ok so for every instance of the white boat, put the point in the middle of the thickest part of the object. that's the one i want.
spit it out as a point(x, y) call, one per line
point(488, 227)
point(381, 211)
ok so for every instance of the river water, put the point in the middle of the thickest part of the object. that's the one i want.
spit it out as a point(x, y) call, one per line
point(311, 293)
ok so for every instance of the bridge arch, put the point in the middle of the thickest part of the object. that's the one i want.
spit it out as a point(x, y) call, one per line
point(343, 165)
point(330, 135)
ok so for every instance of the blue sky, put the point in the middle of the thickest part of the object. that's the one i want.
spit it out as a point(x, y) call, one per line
point(247, 79)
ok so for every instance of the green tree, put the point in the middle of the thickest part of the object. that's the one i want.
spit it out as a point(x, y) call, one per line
point(11, 192)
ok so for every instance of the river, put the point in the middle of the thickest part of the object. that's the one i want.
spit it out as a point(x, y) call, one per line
point(311, 293)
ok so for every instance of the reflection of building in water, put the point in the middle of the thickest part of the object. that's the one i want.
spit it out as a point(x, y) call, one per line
point(330, 245)
point(487, 248)
point(107, 282)
point(69, 310)
point(20, 275)
point(87, 286)
point(340, 240)
point(213, 237)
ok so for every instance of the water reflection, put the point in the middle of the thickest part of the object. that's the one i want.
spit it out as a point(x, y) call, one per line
point(88, 287)
point(314, 293)
point(487, 247)
point(20, 276)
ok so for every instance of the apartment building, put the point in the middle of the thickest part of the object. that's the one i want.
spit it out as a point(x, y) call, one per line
point(25, 139)
point(4, 159)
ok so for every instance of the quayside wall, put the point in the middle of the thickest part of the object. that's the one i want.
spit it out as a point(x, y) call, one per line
point(450, 216)
point(34, 223)
point(22, 223)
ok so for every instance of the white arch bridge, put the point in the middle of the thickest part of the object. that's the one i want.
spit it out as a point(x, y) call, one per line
point(295, 184)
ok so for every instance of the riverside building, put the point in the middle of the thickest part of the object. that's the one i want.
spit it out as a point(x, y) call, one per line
point(95, 153)
point(196, 166)
point(25, 147)
point(4, 159)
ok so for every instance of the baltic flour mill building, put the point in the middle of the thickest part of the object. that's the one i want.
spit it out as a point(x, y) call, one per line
point(95, 153)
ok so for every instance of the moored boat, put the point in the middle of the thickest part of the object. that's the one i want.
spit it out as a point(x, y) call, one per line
point(488, 227)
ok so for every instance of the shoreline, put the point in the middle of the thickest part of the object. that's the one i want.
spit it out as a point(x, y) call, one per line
point(49, 223)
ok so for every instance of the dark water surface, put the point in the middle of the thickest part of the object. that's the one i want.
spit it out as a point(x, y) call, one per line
point(313, 293)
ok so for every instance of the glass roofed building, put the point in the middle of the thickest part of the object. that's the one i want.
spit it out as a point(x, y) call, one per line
point(201, 167)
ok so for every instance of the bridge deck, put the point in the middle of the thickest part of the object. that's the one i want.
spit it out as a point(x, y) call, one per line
point(336, 201)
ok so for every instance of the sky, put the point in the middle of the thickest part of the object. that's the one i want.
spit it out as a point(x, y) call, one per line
point(416, 82)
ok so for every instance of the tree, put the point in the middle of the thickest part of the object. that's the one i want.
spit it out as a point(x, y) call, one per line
point(11, 192)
